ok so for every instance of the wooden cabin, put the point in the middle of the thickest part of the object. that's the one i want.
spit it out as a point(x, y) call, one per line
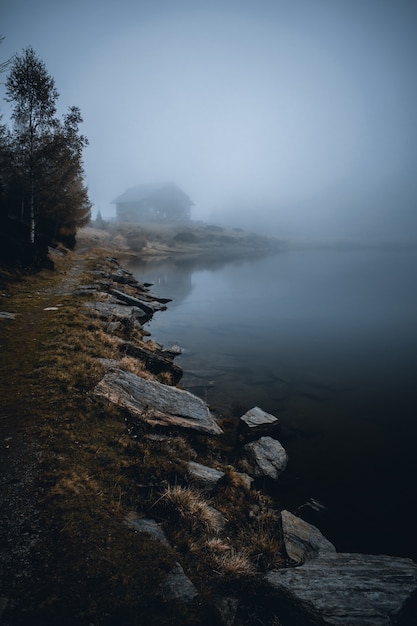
point(163, 202)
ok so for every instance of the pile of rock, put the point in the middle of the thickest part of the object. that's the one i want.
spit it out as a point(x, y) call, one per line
point(263, 455)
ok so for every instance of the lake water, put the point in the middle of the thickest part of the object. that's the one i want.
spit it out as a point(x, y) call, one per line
point(327, 341)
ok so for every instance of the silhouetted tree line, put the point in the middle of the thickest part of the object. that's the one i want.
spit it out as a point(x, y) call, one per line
point(43, 199)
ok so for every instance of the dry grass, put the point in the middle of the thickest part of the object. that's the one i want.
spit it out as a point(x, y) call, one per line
point(76, 484)
point(134, 366)
point(98, 463)
point(265, 546)
point(217, 546)
point(106, 339)
point(187, 506)
point(85, 558)
point(234, 564)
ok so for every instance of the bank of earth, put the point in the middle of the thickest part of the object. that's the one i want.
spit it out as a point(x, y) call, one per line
point(126, 500)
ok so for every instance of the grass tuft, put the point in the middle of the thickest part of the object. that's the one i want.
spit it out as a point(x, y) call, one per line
point(234, 564)
point(186, 506)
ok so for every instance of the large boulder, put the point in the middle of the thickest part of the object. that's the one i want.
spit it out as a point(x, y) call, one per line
point(347, 589)
point(155, 403)
point(265, 458)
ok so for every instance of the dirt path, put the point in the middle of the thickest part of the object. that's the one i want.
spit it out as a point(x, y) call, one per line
point(32, 301)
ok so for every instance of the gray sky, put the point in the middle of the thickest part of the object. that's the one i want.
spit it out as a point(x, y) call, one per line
point(295, 117)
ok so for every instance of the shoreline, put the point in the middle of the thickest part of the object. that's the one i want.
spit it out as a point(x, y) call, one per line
point(154, 460)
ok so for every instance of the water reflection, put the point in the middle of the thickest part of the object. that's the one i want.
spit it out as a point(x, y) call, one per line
point(328, 342)
point(170, 278)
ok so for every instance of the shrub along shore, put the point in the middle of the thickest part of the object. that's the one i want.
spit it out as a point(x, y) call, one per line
point(117, 511)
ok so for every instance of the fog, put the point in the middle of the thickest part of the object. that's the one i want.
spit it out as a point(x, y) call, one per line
point(292, 117)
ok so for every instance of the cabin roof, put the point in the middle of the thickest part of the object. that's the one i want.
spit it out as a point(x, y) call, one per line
point(141, 192)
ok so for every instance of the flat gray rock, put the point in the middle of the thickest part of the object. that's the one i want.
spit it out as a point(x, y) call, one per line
point(256, 422)
point(111, 311)
point(266, 458)
point(348, 589)
point(87, 290)
point(147, 526)
point(155, 403)
point(206, 477)
point(303, 541)
point(5, 315)
point(148, 306)
point(177, 587)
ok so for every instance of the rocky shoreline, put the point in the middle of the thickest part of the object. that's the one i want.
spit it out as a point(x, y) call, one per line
point(305, 581)
point(317, 585)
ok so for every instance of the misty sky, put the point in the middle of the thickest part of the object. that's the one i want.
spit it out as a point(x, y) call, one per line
point(294, 117)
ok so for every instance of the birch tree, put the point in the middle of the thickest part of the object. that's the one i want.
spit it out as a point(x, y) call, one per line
point(32, 93)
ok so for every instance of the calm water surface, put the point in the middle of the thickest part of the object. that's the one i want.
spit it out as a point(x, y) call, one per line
point(327, 341)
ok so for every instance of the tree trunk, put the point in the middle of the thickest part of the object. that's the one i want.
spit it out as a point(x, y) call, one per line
point(32, 215)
